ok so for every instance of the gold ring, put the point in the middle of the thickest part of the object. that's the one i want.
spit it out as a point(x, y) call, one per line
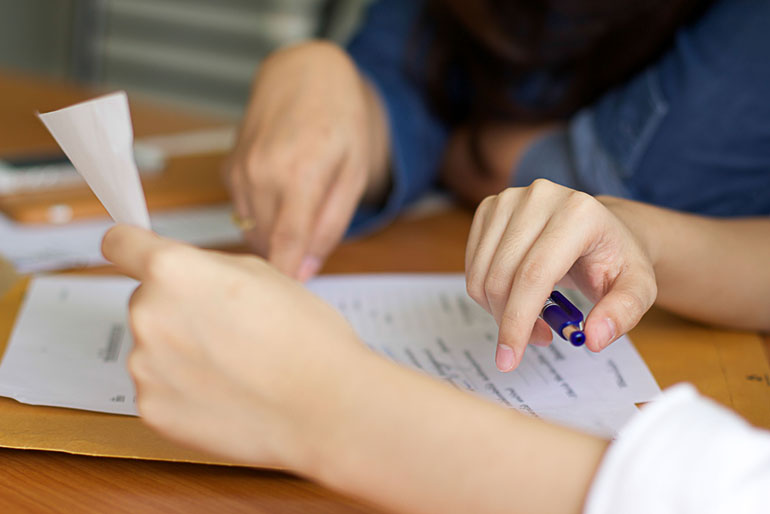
point(244, 224)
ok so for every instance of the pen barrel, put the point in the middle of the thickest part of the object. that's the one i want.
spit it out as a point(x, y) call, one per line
point(556, 318)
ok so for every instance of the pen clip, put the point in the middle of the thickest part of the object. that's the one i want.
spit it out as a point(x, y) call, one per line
point(572, 312)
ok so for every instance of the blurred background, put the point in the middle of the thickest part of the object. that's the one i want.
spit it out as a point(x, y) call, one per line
point(198, 54)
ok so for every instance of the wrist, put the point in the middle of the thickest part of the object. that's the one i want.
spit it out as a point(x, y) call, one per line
point(638, 219)
point(321, 419)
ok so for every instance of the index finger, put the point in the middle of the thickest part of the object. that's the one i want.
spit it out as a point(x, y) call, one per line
point(129, 248)
point(298, 212)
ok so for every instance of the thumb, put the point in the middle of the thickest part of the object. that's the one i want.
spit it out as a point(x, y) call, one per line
point(130, 248)
point(631, 295)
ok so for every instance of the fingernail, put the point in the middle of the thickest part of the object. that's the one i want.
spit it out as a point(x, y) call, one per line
point(606, 333)
point(309, 267)
point(504, 357)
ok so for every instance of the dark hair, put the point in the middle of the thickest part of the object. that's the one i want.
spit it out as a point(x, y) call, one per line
point(539, 60)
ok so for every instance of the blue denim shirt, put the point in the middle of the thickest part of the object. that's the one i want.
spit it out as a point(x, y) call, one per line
point(690, 132)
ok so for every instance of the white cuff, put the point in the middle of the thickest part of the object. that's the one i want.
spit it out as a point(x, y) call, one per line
point(684, 454)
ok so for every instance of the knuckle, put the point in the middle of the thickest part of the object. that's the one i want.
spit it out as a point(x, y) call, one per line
point(164, 262)
point(508, 196)
point(581, 204)
point(541, 186)
point(252, 170)
point(475, 288)
point(497, 286)
point(631, 303)
point(486, 204)
point(488, 201)
point(650, 288)
point(137, 367)
point(653, 288)
point(141, 319)
point(530, 272)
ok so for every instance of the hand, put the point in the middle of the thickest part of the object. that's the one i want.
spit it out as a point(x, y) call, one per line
point(502, 145)
point(313, 143)
point(525, 240)
point(220, 361)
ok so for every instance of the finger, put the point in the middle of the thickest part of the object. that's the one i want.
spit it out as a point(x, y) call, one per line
point(526, 224)
point(140, 317)
point(254, 197)
point(547, 261)
point(542, 335)
point(335, 216)
point(480, 220)
point(630, 296)
point(494, 224)
point(261, 204)
point(233, 173)
point(130, 248)
point(297, 212)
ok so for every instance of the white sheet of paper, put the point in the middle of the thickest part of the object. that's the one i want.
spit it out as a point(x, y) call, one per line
point(429, 323)
point(98, 138)
point(35, 248)
point(69, 345)
point(70, 342)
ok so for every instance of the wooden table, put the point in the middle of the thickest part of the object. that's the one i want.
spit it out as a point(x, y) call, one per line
point(732, 367)
point(192, 180)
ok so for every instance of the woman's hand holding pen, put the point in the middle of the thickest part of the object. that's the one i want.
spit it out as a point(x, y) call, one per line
point(228, 351)
point(526, 240)
point(312, 145)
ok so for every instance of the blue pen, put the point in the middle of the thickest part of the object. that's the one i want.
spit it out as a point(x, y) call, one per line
point(564, 318)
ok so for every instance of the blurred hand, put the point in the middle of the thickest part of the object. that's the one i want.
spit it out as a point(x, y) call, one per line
point(220, 360)
point(526, 240)
point(502, 145)
point(312, 144)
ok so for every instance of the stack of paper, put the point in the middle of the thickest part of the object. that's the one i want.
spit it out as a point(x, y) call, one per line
point(34, 248)
point(70, 343)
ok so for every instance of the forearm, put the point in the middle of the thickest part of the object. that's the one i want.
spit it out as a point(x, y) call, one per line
point(709, 269)
point(409, 443)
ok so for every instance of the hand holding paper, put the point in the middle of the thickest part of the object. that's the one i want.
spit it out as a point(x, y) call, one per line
point(98, 138)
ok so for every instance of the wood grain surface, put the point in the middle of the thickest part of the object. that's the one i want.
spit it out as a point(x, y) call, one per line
point(185, 180)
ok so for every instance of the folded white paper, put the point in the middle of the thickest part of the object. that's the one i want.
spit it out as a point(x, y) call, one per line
point(98, 138)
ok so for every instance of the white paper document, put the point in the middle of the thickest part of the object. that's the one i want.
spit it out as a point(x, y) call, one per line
point(70, 342)
point(34, 248)
point(98, 138)
point(69, 345)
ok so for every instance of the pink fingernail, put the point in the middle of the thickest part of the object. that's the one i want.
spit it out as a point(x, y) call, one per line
point(606, 333)
point(308, 269)
point(504, 357)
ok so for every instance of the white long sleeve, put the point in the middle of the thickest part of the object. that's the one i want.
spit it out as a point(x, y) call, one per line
point(684, 454)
